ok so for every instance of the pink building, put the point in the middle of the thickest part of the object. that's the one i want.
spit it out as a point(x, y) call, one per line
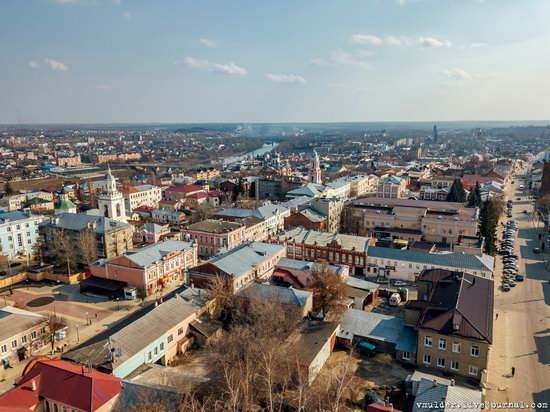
point(151, 267)
point(214, 235)
point(181, 192)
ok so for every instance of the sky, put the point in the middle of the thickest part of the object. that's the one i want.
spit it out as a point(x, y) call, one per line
point(141, 61)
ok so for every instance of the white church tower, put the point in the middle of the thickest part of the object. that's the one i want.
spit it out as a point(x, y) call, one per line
point(111, 202)
point(315, 171)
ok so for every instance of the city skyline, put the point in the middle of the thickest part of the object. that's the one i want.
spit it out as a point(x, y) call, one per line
point(105, 61)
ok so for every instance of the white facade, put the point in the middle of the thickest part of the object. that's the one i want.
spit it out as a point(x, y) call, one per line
point(315, 172)
point(18, 233)
point(111, 202)
point(142, 195)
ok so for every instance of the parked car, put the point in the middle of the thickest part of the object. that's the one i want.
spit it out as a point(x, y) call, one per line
point(15, 264)
point(371, 397)
point(520, 278)
point(506, 287)
point(366, 349)
point(3, 273)
point(536, 250)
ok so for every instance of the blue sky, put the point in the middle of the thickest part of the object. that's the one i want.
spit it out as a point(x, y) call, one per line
point(273, 61)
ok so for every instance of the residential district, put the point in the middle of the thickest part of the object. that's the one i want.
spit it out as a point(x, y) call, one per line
point(303, 268)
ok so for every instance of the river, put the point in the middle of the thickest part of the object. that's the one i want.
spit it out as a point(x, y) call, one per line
point(266, 148)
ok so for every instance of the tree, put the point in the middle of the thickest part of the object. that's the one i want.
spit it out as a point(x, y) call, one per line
point(87, 246)
point(220, 291)
point(457, 192)
point(489, 214)
point(54, 323)
point(329, 290)
point(8, 190)
point(474, 197)
point(61, 251)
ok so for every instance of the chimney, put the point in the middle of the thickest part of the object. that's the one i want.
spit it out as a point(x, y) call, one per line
point(435, 385)
point(452, 382)
point(33, 385)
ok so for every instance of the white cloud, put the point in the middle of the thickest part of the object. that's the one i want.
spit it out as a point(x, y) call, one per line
point(457, 74)
point(56, 65)
point(431, 43)
point(374, 40)
point(286, 78)
point(474, 46)
point(34, 65)
point(127, 16)
point(210, 43)
point(340, 57)
point(227, 68)
point(103, 87)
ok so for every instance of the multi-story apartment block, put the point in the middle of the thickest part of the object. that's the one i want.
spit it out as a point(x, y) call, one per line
point(171, 217)
point(391, 187)
point(113, 238)
point(340, 189)
point(272, 217)
point(116, 158)
point(409, 219)
point(454, 320)
point(332, 208)
point(18, 233)
point(150, 268)
point(213, 236)
point(18, 201)
point(69, 161)
point(22, 333)
point(204, 174)
point(141, 195)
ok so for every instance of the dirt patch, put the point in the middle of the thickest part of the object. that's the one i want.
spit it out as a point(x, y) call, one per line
point(42, 301)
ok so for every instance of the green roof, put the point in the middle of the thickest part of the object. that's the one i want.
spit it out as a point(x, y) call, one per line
point(65, 205)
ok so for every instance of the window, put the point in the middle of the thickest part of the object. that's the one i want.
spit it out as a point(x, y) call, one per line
point(33, 335)
point(14, 344)
point(162, 346)
point(428, 341)
point(4, 348)
point(180, 331)
point(427, 359)
point(406, 356)
point(474, 351)
point(23, 339)
point(170, 338)
point(156, 351)
point(472, 370)
point(149, 356)
point(440, 362)
point(442, 344)
point(454, 365)
point(456, 347)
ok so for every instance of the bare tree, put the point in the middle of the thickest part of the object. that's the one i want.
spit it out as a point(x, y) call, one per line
point(221, 291)
point(54, 324)
point(329, 290)
point(64, 250)
point(87, 245)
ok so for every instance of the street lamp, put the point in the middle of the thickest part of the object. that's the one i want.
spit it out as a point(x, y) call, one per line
point(77, 335)
point(87, 320)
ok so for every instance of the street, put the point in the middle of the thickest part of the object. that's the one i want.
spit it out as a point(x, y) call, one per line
point(521, 337)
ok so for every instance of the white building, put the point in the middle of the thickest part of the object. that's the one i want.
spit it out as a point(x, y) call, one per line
point(340, 188)
point(142, 195)
point(111, 202)
point(18, 233)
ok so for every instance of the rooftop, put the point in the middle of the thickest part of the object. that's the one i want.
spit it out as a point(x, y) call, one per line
point(215, 226)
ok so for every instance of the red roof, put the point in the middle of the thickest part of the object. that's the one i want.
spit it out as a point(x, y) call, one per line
point(199, 195)
point(63, 382)
point(144, 209)
point(216, 193)
point(184, 188)
point(130, 189)
point(469, 181)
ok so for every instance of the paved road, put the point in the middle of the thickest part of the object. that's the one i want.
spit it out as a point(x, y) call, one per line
point(522, 329)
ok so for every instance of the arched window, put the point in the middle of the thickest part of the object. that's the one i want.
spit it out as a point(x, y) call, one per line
point(118, 210)
point(105, 211)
